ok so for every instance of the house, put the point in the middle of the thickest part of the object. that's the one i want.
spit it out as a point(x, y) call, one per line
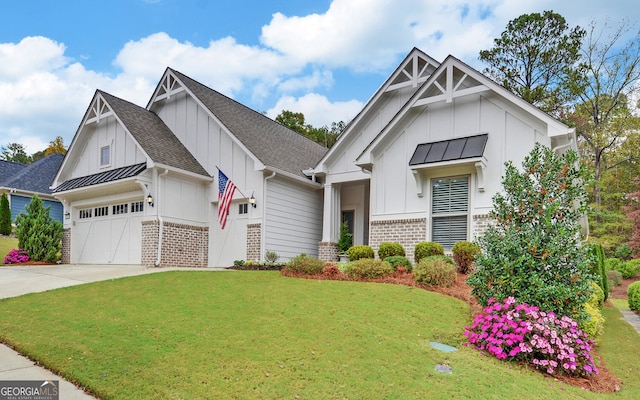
point(425, 156)
point(420, 162)
point(20, 182)
point(141, 184)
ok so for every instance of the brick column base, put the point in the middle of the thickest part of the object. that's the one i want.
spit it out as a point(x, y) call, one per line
point(66, 246)
point(254, 236)
point(328, 251)
point(182, 245)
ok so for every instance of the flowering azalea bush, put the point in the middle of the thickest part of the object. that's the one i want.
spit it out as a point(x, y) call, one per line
point(16, 256)
point(520, 332)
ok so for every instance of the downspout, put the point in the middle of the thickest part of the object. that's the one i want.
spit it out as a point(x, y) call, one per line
point(160, 220)
point(264, 213)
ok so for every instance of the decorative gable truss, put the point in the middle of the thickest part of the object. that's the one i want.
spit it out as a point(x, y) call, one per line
point(169, 86)
point(415, 71)
point(449, 82)
point(98, 110)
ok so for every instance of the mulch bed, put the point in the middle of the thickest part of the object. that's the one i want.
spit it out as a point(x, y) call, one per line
point(604, 382)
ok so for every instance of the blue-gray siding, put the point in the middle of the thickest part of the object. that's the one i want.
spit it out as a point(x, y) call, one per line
point(19, 204)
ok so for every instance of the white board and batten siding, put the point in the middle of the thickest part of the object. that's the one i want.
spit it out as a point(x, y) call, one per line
point(293, 219)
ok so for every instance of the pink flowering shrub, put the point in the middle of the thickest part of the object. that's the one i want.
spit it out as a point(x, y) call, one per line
point(16, 256)
point(520, 332)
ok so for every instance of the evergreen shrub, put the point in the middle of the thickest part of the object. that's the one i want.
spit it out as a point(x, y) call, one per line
point(5, 215)
point(388, 249)
point(435, 272)
point(399, 261)
point(593, 324)
point(304, 264)
point(360, 251)
point(38, 233)
point(368, 268)
point(464, 253)
point(426, 249)
point(441, 257)
point(633, 292)
point(614, 277)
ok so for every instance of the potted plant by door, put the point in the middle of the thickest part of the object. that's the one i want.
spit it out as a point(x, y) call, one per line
point(345, 241)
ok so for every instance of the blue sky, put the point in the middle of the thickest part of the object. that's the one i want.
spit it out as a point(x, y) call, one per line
point(320, 57)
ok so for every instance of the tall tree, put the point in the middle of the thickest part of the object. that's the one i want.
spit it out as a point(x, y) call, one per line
point(15, 152)
point(606, 116)
point(535, 57)
point(324, 135)
point(5, 215)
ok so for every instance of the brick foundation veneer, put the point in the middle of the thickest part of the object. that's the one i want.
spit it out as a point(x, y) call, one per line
point(407, 232)
point(182, 245)
point(328, 251)
point(66, 246)
point(480, 224)
point(254, 236)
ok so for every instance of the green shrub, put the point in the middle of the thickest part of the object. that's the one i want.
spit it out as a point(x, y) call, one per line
point(623, 252)
point(271, 256)
point(426, 249)
point(597, 297)
point(464, 253)
point(612, 264)
point(238, 263)
point(361, 251)
point(598, 268)
point(331, 269)
point(304, 264)
point(442, 257)
point(633, 292)
point(38, 233)
point(435, 272)
point(5, 215)
point(399, 261)
point(614, 277)
point(533, 250)
point(368, 268)
point(630, 269)
point(346, 239)
point(388, 249)
point(593, 324)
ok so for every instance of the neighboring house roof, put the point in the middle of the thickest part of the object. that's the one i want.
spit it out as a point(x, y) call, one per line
point(102, 177)
point(35, 178)
point(275, 145)
point(153, 136)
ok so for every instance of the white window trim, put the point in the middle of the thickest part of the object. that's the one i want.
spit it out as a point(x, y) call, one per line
point(433, 216)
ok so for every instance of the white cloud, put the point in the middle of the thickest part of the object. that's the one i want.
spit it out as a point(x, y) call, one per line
point(318, 110)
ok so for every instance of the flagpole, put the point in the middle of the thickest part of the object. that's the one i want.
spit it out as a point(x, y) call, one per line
point(237, 188)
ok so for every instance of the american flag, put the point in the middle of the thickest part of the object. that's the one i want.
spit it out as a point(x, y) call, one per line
point(226, 188)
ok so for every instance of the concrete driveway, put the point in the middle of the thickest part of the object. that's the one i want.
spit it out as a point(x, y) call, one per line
point(16, 281)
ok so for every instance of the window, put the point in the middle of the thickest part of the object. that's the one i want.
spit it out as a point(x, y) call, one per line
point(348, 217)
point(101, 211)
point(104, 156)
point(243, 208)
point(120, 209)
point(137, 206)
point(86, 213)
point(449, 210)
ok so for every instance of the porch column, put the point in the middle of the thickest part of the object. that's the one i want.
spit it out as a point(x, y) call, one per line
point(328, 247)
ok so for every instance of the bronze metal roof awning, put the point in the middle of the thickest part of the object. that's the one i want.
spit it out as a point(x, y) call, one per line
point(449, 150)
point(102, 177)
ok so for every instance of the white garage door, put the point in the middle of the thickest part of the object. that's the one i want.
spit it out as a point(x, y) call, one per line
point(108, 234)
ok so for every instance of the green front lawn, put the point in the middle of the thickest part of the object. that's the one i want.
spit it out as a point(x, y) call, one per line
point(247, 335)
point(6, 245)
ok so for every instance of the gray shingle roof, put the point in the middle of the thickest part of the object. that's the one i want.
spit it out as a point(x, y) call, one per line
point(272, 143)
point(155, 138)
point(36, 177)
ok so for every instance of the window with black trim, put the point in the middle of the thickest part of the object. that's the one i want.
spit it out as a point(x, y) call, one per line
point(449, 210)
point(101, 211)
point(243, 208)
point(120, 209)
point(137, 206)
point(86, 213)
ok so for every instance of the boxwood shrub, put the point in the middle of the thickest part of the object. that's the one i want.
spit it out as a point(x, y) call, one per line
point(614, 277)
point(633, 292)
point(361, 251)
point(399, 261)
point(426, 249)
point(435, 272)
point(388, 249)
point(597, 298)
point(441, 257)
point(593, 325)
point(368, 268)
point(304, 264)
point(463, 254)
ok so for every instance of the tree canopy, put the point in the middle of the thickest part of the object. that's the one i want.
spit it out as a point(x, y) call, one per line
point(324, 135)
point(535, 57)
